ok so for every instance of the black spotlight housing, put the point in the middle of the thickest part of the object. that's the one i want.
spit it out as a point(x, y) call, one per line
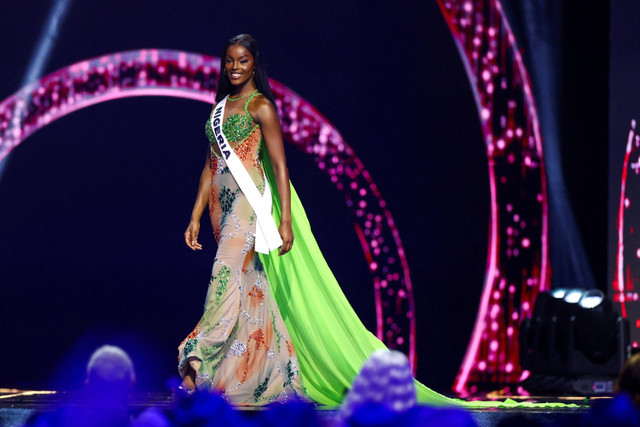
point(573, 342)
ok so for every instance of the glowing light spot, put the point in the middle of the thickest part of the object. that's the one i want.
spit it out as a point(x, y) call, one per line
point(493, 345)
point(525, 242)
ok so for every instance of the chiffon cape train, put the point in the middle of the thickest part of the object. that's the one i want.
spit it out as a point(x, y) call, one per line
point(331, 342)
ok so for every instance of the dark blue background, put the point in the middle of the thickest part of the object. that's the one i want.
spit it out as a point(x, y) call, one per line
point(93, 207)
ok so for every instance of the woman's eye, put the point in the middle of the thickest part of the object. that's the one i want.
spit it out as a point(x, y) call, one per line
point(244, 61)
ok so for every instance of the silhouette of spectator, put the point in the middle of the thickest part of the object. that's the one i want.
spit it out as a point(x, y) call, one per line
point(384, 379)
point(617, 412)
point(109, 382)
point(110, 376)
point(629, 379)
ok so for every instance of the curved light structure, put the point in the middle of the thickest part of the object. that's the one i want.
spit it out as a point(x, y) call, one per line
point(628, 245)
point(194, 76)
point(517, 259)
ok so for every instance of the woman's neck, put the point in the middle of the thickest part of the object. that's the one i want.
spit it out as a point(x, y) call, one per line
point(248, 87)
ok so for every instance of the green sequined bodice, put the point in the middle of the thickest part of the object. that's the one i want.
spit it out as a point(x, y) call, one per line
point(237, 127)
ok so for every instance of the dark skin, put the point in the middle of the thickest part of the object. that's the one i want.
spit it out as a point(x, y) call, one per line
point(239, 68)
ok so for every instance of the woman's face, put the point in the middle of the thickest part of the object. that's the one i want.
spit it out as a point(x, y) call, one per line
point(239, 65)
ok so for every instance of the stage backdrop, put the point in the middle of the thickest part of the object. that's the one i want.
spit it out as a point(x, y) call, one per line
point(93, 207)
point(624, 162)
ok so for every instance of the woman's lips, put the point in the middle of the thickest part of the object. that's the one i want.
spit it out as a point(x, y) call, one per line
point(235, 75)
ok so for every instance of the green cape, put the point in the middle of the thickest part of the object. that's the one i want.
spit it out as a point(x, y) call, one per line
point(330, 340)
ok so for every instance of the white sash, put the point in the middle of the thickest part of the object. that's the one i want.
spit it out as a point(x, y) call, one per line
point(267, 234)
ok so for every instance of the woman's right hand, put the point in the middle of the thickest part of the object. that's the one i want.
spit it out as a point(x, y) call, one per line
point(191, 235)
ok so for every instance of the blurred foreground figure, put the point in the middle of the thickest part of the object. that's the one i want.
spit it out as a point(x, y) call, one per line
point(617, 412)
point(109, 382)
point(110, 376)
point(384, 394)
point(629, 379)
point(385, 379)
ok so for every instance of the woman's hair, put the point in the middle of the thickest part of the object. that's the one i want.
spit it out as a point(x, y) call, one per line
point(262, 81)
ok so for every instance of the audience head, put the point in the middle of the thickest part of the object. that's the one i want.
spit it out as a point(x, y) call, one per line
point(385, 379)
point(203, 409)
point(629, 379)
point(110, 374)
point(619, 411)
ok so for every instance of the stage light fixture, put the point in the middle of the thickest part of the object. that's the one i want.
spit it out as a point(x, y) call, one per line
point(572, 296)
point(591, 299)
point(559, 293)
point(574, 338)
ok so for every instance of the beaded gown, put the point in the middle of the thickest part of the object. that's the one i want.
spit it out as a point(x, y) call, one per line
point(240, 347)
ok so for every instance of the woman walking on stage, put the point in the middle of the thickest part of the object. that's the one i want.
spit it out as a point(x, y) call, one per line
point(241, 346)
point(276, 324)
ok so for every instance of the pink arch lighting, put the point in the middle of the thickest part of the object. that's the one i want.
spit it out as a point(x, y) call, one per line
point(194, 76)
point(517, 260)
point(624, 286)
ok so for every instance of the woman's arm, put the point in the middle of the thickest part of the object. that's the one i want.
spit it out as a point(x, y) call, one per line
point(264, 113)
point(202, 200)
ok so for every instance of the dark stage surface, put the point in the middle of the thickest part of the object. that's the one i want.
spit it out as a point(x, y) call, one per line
point(17, 405)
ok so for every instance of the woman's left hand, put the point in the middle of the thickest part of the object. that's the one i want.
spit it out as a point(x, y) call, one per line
point(286, 233)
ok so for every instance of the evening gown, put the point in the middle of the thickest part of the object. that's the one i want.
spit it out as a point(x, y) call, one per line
point(240, 347)
point(273, 323)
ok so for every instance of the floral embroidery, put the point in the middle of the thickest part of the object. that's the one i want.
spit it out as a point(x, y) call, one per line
point(275, 330)
point(256, 292)
point(238, 348)
point(226, 199)
point(223, 280)
point(259, 337)
point(292, 372)
point(259, 391)
point(190, 346)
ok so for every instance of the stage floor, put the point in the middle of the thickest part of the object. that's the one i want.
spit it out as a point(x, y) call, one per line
point(16, 406)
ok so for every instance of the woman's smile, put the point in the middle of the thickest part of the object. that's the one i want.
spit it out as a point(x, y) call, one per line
point(239, 65)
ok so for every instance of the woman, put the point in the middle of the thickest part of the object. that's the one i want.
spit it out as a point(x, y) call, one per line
point(245, 345)
point(241, 346)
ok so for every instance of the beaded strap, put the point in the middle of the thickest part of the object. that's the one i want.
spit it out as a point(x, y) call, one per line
point(246, 104)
